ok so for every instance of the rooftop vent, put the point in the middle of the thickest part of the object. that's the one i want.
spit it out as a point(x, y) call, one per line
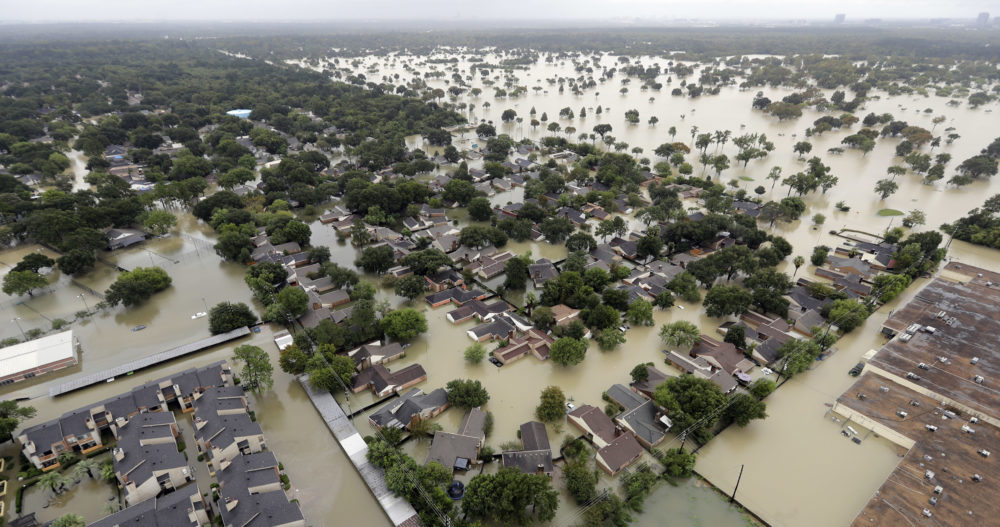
point(905, 337)
point(975, 360)
point(913, 328)
point(922, 366)
point(938, 489)
point(942, 314)
point(914, 403)
point(933, 500)
point(930, 329)
point(967, 429)
point(883, 389)
point(932, 428)
point(978, 378)
point(973, 420)
point(943, 359)
point(901, 414)
point(983, 452)
point(977, 478)
point(912, 376)
point(927, 513)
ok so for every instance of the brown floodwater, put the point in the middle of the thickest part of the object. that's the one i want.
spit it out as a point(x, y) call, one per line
point(792, 459)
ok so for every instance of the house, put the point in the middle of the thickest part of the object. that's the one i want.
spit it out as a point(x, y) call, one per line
point(460, 450)
point(382, 382)
point(619, 453)
point(626, 248)
point(533, 341)
point(121, 238)
point(444, 279)
point(564, 314)
point(701, 368)
point(849, 265)
point(654, 378)
point(115, 152)
point(337, 213)
point(496, 329)
point(184, 507)
point(375, 353)
point(146, 459)
point(456, 295)
point(535, 456)
point(489, 266)
point(410, 408)
point(258, 473)
point(573, 215)
point(542, 271)
point(721, 355)
point(466, 254)
point(329, 299)
point(644, 419)
point(479, 310)
point(238, 507)
point(223, 427)
point(594, 423)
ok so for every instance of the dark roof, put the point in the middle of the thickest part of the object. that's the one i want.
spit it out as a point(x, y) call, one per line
point(447, 448)
point(533, 436)
point(529, 461)
point(625, 397)
point(620, 452)
point(598, 422)
point(643, 421)
point(169, 510)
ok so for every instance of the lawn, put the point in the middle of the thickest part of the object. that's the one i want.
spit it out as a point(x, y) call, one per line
point(890, 212)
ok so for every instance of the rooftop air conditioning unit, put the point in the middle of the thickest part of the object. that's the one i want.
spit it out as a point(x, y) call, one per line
point(975, 360)
point(932, 428)
point(901, 414)
point(978, 378)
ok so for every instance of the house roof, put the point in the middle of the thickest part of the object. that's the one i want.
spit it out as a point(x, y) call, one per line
point(533, 436)
point(595, 420)
point(473, 423)
point(35, 353)
point(620, 452)
point(169, 510)
point(529, 461)
point(654, 378)
point(625, 397)
point(447, 448)
point(643, 421)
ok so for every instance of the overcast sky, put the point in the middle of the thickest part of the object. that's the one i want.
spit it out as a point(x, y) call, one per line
point(648, 11)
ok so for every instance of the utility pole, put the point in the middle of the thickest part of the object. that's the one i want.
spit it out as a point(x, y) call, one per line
point(83, 297)
point(15, 320)
point(738, 478)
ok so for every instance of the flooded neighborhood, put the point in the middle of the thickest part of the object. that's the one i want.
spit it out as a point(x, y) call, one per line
point(392, 282)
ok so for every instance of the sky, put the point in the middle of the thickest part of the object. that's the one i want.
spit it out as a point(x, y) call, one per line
point(630, 11)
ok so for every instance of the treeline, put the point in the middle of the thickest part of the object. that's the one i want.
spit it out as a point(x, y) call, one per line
point(696, 43)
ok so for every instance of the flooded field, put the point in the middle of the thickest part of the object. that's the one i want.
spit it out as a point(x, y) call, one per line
point(792, 459)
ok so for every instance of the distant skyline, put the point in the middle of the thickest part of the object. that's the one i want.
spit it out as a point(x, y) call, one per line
point(618, 11)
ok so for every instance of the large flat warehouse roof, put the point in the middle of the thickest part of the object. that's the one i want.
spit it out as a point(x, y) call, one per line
point(34, 353)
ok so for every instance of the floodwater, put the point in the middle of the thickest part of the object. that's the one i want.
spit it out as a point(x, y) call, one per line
point(791, 460)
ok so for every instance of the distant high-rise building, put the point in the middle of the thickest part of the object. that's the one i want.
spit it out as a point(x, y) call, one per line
point(839, 18)
point(983, 18)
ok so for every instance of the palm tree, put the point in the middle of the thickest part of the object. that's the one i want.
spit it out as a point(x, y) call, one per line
point(107, 471)
point(85, 466)
point(797, 262)
point(53, 482)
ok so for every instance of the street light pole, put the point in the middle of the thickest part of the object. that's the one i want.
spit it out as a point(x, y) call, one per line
point(15, 320)
point(83, 297)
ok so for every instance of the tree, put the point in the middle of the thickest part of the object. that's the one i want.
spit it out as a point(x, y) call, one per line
point(158, 221)
point(610, 338)
point(802, 147)
point(542, 318)
point(319, 254)
point(640, 312)
point(257, 369)
point(568, 351)
point(820, 252)
point(33, 262)
point(677, 463)
point(580, 241)
point(426, 261)
point(69, 520)
point(516, 270)
point(377, 259)
point(552, 405)
point(404, 324)
point(798, 355)
point(736, 335)
point(602, 129)
point(292, 301)
point(486, 130)
point(680, 334)
point(686, 286)
point(889, 286)
point(136, 286)
point(409, 287)
point(76, 261)
point(722, 300)
point(11, 416)
point(885, 188)
point(475, 353)
point(689, 400)
point(847, 314)
point(507, 496)
point(581, 481)
point(227, 316)
point(466, 393)
point(508, 115)
point(744, 408)
point(480, 209)
point(293, 360)
point(17, 283)
point(914, 218)
point(235, 246)
point(761, 388)
point(797, 262)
